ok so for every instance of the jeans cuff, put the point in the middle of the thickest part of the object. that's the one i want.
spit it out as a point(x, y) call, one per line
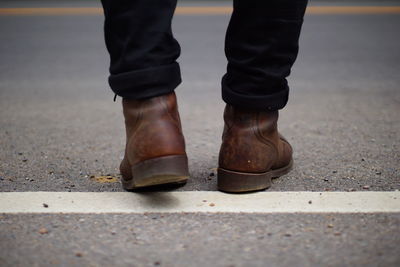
point(274, 101)
point(146, 83)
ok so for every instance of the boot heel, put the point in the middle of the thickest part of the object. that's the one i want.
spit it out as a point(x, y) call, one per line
point(158, 171)
point(236, 182)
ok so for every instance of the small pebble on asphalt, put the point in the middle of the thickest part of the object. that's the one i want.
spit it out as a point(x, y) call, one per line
point(43, 231)
point(104, 179)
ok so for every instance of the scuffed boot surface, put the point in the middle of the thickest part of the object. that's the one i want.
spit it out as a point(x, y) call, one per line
point(155, 147)
point(252, 151)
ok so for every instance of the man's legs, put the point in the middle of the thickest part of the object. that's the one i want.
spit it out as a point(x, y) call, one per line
point(261, 47)
point(144, 72)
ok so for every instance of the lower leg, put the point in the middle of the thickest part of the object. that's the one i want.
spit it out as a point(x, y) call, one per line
point(144, 72)
point(261, 47)
point(142, 48)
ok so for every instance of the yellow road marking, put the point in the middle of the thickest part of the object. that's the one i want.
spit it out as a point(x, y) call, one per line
point(199, 10)
point(353, 10)
point(203, 10)
point(52, 11)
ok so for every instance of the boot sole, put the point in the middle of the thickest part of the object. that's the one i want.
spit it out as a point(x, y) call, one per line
point(158, 171)
point(237, 182)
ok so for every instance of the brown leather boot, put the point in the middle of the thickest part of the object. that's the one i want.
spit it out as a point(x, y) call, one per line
point(155, 147)
point(252, 151)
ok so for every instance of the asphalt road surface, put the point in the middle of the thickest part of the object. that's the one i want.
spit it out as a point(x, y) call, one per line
point(61, 131)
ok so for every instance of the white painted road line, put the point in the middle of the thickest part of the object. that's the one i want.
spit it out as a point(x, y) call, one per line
point(199, 201)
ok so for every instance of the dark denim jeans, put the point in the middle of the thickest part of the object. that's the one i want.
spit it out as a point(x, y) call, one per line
point(261, 46)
